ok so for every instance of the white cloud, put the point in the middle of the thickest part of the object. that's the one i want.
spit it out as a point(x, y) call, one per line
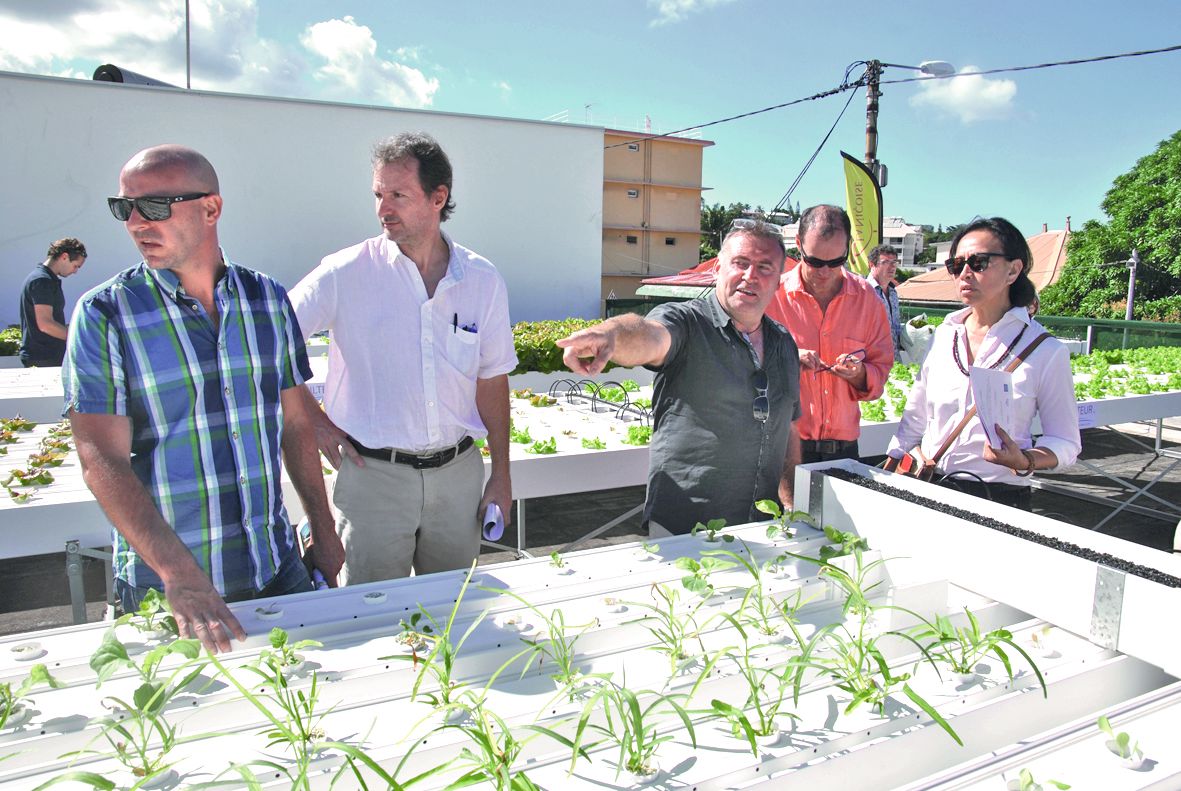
point(971, 97)
point(334, 59)
point(352, 66)
point(672, 11)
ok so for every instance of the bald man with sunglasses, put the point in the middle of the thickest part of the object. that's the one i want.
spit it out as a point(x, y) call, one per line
point(841, 329)
point(183, 378)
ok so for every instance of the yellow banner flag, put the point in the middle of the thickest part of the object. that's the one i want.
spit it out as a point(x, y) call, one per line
point(863, 201)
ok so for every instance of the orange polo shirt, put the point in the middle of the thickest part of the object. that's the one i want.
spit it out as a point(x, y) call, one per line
point(855, 319)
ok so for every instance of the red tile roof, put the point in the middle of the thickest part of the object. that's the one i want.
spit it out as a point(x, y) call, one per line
point(1049, 257)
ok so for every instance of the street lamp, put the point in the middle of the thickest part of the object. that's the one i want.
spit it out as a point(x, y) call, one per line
point(873, 74)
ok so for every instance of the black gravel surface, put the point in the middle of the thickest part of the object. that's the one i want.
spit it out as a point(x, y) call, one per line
point(1111, 561)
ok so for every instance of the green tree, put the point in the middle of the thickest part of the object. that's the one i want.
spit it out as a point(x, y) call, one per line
point(715, 221)
point(1144, 211)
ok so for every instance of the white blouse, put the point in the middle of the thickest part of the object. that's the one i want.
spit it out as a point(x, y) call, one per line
point(1042, 386)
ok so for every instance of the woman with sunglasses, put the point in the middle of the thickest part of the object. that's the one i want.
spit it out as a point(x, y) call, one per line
point(990, 262)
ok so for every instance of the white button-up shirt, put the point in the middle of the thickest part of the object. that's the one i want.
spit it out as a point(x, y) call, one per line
point(1042, 386)
point(402, 367)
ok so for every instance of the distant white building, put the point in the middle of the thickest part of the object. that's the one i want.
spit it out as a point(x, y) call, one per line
point(906, 239)
point(896, 232)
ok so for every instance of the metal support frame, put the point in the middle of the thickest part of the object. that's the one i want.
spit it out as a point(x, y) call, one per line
point(74, 555)
point(1171, 511)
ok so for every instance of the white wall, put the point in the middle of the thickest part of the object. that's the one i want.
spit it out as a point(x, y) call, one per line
point(296, 181)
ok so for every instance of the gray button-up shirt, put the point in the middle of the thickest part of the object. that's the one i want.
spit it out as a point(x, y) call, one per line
point(889, 298)
point(710, 457)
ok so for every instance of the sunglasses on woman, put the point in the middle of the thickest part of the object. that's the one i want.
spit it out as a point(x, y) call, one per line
point(154, 209)
point(977, 262)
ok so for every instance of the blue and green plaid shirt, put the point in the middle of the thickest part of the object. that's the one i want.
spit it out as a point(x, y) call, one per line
point(206, 418)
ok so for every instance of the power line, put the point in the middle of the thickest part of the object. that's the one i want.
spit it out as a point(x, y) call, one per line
point(1074, 62)
point(846, 86)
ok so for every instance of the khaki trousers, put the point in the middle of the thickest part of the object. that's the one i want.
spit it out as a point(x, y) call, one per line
point(392, 517)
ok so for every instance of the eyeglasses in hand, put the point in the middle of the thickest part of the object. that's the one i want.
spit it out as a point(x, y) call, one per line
point(857, 356)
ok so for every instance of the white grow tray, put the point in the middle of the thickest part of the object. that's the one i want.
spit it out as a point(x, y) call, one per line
point(934, 564)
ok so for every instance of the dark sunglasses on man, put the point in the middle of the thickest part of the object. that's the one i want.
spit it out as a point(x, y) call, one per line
point(153, 209)
point(820, 263)
point(977, 262)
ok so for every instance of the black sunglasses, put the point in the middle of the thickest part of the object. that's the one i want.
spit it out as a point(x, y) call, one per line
point(762, 405)
point(152, 209)
point(823, 262)
point(977, 262)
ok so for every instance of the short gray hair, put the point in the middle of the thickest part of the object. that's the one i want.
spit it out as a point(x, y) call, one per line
point(759, 230)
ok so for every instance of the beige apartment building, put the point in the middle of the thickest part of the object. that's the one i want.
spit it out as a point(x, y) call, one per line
point(651, 208)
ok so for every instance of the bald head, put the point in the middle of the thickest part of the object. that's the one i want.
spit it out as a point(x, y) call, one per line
point(183, 161)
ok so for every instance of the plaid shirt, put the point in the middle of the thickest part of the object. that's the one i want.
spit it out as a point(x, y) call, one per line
point(206, 419)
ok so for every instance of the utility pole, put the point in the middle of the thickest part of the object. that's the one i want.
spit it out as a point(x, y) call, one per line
point(1133, 262)
point(873, 75)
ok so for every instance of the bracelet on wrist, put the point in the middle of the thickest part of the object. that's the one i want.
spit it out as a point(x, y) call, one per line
point(1030, 466)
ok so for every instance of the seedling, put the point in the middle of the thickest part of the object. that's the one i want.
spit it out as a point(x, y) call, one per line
point(962, 647)
point(496, 754)
point(524, 393)
point(50, 459)
point(416, 633)
point(1121, 743)
point(697, 580)
point(781, 528)
point(13, 701)
point(520, 435)
point(283, 654)
point(541, 400)
point(153, 616)
point(630, 725)
point(143, 738)
point(16, 423)
point(638, 435)
point(543, 446)
point(1026, 782)
point(556, 560)
point(556, 647)
point(593, 443)
point(858, 667)
point(31, 477)
point(673, 630)
point(712, 530)
point(841, 543)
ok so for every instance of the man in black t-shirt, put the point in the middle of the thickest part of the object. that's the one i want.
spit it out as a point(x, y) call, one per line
point(43, 306)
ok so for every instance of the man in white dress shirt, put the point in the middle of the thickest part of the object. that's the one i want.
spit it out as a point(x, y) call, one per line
point(418, 365)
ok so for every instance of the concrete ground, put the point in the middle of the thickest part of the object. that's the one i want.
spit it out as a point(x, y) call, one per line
point(34, 592)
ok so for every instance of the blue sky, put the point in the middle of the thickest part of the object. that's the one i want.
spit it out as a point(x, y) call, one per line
point(1034, 146)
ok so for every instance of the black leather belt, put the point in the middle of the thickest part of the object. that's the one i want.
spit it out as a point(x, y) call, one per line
point(827, 445)
point(426, 462)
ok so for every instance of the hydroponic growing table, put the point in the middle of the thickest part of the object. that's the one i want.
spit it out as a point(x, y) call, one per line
point(1108, 655)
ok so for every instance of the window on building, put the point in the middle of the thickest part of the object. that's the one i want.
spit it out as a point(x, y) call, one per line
point(633, 193)
point(670, 240)
point(633, 240)
point(633, 146)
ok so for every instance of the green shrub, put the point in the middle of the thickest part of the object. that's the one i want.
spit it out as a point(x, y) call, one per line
point(534, 343)
point(10, 341)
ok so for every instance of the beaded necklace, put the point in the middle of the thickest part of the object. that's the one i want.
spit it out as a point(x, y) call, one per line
point(955, 349)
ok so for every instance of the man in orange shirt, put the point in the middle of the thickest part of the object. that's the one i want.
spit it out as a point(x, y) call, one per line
point(843, 335)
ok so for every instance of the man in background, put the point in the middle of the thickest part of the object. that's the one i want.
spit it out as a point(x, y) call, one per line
point(43, 306)
point(842, 333)
point(883, 266)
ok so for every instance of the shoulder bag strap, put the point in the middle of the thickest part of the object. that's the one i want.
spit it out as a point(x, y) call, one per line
point(971, 413)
